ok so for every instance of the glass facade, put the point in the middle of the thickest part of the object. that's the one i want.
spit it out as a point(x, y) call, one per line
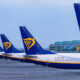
point(65, 46)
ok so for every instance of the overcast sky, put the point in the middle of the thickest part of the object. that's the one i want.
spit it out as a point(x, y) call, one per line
point(48, 20)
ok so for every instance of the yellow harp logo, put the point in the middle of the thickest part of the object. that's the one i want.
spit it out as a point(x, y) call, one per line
point(7, 45)
point(29, 42)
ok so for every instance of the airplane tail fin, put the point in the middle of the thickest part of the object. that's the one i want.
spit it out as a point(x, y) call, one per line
point(31, 46)
point(8, 46)
point(77, 11)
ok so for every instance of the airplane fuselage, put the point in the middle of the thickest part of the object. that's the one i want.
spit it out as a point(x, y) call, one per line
point(59, 60)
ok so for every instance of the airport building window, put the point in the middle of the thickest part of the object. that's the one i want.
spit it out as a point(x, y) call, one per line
point(65, 46)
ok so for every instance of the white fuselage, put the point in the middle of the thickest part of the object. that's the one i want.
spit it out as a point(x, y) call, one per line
point(58, 60)
point(59, 57)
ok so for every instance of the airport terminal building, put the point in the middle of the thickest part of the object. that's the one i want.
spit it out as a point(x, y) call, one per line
point(65, 46)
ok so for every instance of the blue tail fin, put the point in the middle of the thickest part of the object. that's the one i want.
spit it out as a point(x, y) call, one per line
point(8, 46)
point(77, 11)
point(31, 46)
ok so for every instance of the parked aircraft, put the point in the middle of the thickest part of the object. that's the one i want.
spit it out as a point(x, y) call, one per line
point(36, 54)
point(9, 47)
